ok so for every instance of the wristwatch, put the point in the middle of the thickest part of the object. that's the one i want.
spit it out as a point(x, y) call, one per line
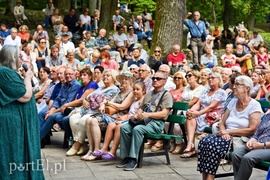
point(264, 145)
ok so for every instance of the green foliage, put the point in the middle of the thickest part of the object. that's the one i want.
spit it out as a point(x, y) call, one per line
point(140, 5)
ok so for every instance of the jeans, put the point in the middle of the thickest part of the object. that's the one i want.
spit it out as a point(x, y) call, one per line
point(47, 21)
point(66, 126)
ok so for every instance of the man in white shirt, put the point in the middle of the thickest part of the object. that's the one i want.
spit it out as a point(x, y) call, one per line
point(13, 38)
point(169, 83)
point(66, 44)
point(255, 42)
point(120, 41)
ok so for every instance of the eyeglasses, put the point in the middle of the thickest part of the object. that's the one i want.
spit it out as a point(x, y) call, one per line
point(132, 69)
point(189, 75)
point(69, 74)
point(157, 78)
point(238, 84)
point(177, 78)
point(234, 71)
point(142, 70)
point(43, 42)
point(157, 51)
point(211, 78)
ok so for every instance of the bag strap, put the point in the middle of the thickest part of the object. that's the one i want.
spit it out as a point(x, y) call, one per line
point(159, 102)
point(198, 28)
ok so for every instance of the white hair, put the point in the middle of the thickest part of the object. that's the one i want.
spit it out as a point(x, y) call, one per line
point(247, 81)
point(168, 69)
point(228, 70)
point(236, 68)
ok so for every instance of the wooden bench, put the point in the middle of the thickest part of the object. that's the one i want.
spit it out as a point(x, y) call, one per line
point(166, 137)
point(264, 165)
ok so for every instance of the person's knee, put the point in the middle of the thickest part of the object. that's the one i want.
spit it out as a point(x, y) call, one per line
point(88, 121)
point(93, 122)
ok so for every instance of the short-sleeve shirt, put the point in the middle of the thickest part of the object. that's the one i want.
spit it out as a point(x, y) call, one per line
point(153, 98)
point(50, 62)
point(113, 65)
point(176, 59)
point(82, 89)
point(120, 38)
point(117, 19)
point(75, 64)
point(42, 35)
point(189, 94)
point(205, 60)
point(238, 120)
point(84, 19)
point(14, 42)
point(256, 41)
point(92, 43)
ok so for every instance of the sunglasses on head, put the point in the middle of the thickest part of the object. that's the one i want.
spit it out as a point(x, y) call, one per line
point(157, 78)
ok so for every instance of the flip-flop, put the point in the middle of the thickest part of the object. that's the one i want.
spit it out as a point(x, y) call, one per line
point(98, 153)
point(108, 156)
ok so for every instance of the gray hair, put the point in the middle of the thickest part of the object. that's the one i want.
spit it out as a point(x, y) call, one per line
point(9, 57)
point(236, 68)
point(168, 69)
point(113, 73)
point(147, 67)
point(228, 70)
point(246, 81)
point(70, 51)
point(216, 74)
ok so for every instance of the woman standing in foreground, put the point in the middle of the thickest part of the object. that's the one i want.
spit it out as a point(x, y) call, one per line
point(20, 146)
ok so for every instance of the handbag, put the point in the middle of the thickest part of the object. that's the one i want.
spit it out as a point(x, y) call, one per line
point(110, 110)
point(136, 122)
point(213, 116)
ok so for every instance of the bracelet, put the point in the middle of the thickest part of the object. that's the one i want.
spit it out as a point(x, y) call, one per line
point(264, 145)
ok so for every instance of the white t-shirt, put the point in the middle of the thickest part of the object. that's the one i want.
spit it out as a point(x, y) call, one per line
point(85, 19)
point(14, 42)
point(67, 46)
point(188, 94)
point(120, 38)
point(256, 41)
point(239, 120)
point(169, 84)
point(146, 23)
point(117, 19)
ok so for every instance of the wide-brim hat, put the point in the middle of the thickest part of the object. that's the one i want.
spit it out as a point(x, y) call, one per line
point(125, 74)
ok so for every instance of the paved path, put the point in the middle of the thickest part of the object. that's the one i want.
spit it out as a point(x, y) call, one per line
point(58, 166)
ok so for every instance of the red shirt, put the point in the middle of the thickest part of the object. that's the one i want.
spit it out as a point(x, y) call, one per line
point(176, 59)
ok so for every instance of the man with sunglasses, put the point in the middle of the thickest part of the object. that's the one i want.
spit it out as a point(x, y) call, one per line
point(132, 137)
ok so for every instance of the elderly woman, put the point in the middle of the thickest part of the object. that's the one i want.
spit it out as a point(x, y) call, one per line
point(228, 59)
point(90, 107)
point(204, 76)
point(71, 61)
point(27, 55)
point(106, 62)
point(246, 111)
point(24, 34)
point(265, 84)
point(41, 52)
point(205, 111)
point(208, 60)
point(19, 126)
point(121, 101)
point(44, 82)
point(156, 59)
point(256, 150)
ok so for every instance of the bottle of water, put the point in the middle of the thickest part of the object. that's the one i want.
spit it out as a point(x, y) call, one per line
point(70, 142)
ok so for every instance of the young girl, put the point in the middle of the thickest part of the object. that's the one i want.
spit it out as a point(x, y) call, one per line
point(113, 128)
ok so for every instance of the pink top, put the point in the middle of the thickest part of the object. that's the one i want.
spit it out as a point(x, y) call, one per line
point(176, 95)
point(113, 65)
point(24, 36)
point(263, 58)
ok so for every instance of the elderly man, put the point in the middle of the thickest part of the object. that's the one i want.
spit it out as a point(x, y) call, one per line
point(169, 83)
point(132, 137)
point(145, 76)
point(255, 42)
point(176, 58)
point(134, 69)
point(225, 75)
point(140, 28)
point(243, 59)
point(13, 38)
point(118, 20)
point(66, 44)
point(40, 34)
point(48, 118)
point(198, 35)
point(54, 59)
point(65, 30)
point(103, 45)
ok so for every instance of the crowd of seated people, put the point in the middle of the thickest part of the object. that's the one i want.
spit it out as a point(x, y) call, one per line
point(78, 82)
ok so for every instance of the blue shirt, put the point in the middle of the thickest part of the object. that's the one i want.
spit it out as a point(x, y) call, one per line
point(101, 41)
point(67, 93)
point(263, 132)
point(138, 63)
point(56, 91)
point(205, 60)
point(87, 61)
point(4, 34)
point(196, 31)
point(82, 89)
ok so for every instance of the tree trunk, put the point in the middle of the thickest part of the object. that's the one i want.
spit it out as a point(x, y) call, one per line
point(66, 5)
point(226, 13)
point(168, 28)
point(92, 6)
point(107, 10)
point(9, 7)
point(214, 14)
point(251, 23)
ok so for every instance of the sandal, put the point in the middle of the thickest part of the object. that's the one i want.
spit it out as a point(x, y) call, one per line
point(148, 145)
point(173, 145)
point(156, 148)
point(86, 156)
point(98, 153)
point(189, 152)
point(179, 148)
point(108, 156)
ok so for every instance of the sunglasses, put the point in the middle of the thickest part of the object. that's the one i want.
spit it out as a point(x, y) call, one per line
point(157, 51)
point(177, 78)
point(157, 78)
point(132, 69)
point(188, 75)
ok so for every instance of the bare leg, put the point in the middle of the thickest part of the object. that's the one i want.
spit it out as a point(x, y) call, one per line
point(204, 175)
point(89, 135)
point(76, 145)
point(116, 139)
point(191, 127)
point(95, 133)
point(108, 136)
point(210, 177)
